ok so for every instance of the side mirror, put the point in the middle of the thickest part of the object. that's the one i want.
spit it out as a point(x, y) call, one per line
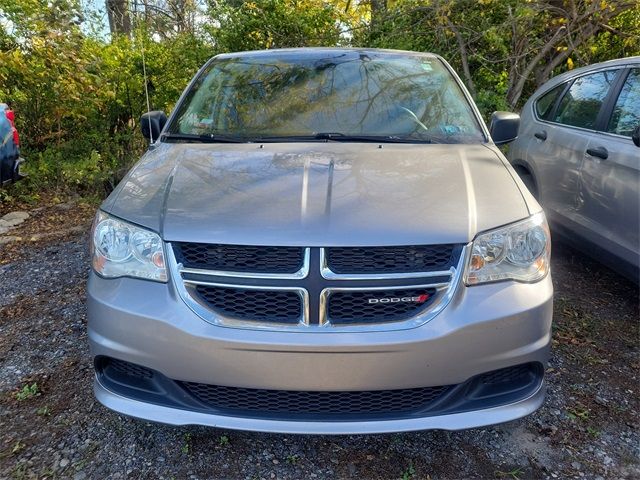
point(152, 124)
point(504, 127)
point(635, 136)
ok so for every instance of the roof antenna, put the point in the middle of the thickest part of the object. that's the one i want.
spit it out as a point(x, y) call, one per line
point(144, 72)
point(146, 92)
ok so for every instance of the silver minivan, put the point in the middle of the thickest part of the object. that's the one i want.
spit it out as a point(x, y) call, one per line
point(578, 153)
point(322, 241)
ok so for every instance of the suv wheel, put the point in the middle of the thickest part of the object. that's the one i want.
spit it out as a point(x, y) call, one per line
point(528, 181)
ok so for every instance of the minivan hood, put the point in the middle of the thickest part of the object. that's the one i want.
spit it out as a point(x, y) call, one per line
point(319, 194)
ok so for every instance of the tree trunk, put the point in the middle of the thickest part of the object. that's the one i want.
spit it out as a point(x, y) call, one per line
point(119, 20)
point(378, 9)
point(515, 91)
point(464, 58)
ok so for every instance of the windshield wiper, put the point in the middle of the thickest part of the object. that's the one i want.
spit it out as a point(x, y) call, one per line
point(341, 137)
point(189, 137)
point(321, 136)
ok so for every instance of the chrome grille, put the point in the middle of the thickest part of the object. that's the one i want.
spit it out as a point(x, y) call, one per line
point(311, 295)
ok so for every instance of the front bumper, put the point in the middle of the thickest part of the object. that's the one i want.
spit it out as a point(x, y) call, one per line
point(455, 421)
point(484, 328)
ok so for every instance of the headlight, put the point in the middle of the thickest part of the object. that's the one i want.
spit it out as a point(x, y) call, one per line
point(120, 249)
point(519, 251)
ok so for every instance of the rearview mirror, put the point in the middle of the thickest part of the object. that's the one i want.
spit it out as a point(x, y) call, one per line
point(152, 124)
point(504, 127)
point(635, 136)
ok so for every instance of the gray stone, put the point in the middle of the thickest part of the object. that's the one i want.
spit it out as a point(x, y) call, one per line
point(66, 205)
point(18, 217)
point(8, 238)
point(12, 223)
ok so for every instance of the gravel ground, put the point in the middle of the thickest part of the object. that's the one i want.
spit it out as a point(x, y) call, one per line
point(53, 428)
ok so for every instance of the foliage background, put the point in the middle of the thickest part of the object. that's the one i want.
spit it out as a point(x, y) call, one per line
point(78, 90)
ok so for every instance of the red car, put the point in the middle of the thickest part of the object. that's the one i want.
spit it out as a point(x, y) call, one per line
point(10, 159)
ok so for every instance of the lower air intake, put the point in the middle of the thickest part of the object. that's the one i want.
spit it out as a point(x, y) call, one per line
point(314, 402)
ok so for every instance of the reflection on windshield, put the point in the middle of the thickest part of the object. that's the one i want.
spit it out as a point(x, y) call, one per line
point(285, 94)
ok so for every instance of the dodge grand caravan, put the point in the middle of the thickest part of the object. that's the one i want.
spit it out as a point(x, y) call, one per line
point(322, 241)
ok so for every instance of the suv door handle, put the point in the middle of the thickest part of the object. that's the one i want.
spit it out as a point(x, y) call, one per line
point(599, 152)
point(541, 135)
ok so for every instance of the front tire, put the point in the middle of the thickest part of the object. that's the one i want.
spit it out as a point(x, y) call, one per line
point(529, 182)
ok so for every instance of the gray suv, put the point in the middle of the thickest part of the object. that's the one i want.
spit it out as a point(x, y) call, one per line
point(322, 241)
point(578, 152)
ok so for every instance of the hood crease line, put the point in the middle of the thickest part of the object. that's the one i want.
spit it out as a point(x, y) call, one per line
point(471, 202)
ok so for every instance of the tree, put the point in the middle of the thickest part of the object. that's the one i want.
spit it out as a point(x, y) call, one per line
point(506, 48)
point(573, 26)
point(378, 10)
point(263, 24)
point(119, 20)
point(167, 18)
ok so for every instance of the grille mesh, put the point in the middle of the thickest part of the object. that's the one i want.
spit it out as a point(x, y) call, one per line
point(239, 258)
point(402, 259)
point(349, 307)
point(509, 374)
point(314, 402)
point(130, 369)
point(277, 306)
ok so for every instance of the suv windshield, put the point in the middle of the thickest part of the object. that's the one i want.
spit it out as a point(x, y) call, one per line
point(326, 95)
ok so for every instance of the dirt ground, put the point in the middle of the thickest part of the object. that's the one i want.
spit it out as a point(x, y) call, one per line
point(51, 426)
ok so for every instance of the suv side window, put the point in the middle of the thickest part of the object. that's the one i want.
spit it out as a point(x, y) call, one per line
point(581, 104)
point(626, 113)
point(544, 104)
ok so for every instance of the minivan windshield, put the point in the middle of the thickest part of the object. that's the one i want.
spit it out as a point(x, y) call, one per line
point(326, 95)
